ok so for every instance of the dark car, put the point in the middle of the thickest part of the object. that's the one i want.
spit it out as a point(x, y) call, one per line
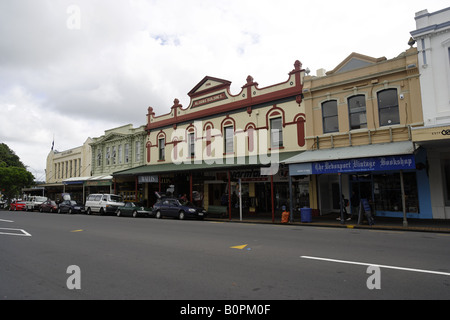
point(48, 206)
point(70, 206)
point(171, 207)
point(133, 209)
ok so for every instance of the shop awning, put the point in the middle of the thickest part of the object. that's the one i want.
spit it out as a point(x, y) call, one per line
point(81, 180)
point(232, 163)
point(366, 151)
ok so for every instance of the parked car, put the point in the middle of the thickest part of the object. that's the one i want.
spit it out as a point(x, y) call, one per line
point(133, 209)
point(17, 205)
point(103, 203)
point(34, 202)
point(70, 206)
point(48, 206)
point(172, 207)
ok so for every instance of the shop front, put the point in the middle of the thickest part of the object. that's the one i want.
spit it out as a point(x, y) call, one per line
point(231, 190)
point(394, 179)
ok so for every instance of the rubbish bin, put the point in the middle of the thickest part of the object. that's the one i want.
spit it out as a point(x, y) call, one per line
point(306, 215)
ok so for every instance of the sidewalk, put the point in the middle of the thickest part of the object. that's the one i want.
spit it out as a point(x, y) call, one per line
point(381, 223)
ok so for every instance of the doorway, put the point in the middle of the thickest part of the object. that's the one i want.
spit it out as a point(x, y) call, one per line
point(361, 188)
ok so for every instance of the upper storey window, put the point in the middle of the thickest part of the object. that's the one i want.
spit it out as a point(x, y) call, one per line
point(330, 117)
point(388, 107)
point(357, 112)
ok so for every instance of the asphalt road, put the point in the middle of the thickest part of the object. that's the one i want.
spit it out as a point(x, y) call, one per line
point(168, 259)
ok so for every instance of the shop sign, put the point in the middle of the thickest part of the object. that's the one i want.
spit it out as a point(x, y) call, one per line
point(405, 162)
point(148, 179)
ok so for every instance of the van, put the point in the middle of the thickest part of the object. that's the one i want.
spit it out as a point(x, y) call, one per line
point(103, 203)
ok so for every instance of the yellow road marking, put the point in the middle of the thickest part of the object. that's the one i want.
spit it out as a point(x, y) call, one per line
point(239, 247)
point(77, 230)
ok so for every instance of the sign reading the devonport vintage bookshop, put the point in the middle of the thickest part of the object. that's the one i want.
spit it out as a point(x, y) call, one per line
point(403, 162)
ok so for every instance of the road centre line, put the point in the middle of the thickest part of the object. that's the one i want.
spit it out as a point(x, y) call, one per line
point(377, 265)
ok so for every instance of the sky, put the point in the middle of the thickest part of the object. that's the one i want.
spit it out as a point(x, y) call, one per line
point(71, 69)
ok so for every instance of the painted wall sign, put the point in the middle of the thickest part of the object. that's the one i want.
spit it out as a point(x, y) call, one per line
point(210, 99)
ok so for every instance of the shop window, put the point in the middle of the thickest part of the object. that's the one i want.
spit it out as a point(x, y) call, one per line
point(446, 181)
point(357, 112)
point(330, 117)
point(388, 107)
point(388, 194)
point(162, 149)
point(229, 139)
point(276, 133)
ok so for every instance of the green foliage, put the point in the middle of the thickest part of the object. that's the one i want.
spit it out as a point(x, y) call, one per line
point(8, 158)
point(13, 174)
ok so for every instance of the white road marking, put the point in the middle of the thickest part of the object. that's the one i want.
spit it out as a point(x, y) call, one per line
point(377, 265)
point(22, 234)
point(1, 220)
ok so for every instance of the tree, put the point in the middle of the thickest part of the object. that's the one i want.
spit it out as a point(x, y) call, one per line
point(8, 158)
point(13, 174)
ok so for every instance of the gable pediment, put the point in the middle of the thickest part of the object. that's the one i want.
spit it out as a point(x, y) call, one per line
point(355, 61)
point(209, 85)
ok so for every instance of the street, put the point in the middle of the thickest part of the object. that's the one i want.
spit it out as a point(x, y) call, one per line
point(168, 259)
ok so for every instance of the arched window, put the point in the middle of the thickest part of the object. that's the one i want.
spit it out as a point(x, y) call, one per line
point(388, 107)
point(357, 112)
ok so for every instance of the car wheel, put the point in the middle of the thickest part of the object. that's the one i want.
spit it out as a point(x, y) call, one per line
point(88, 211)
point(158, 215)
point(135, 214)
point(181, 215)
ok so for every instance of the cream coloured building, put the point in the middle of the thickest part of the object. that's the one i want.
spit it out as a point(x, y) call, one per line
point(67, 170)
point(205, 148)
point(360, 118)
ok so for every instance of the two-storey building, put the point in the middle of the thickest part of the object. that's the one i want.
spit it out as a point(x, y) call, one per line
point(359, 118)
point(118, 149)
point(223, 145)
point(66, 170)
